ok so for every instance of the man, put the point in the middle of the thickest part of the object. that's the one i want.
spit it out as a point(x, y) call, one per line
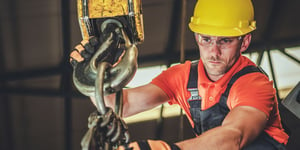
point(229, 107)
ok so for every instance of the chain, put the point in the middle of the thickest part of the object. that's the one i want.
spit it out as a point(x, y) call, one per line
point(107, 130)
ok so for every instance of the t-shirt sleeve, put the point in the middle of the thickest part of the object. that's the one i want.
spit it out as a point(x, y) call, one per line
point(254, 90)
point(173, 80)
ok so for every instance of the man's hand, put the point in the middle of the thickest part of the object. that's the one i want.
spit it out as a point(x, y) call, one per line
point(83, 51)
point(84, 59)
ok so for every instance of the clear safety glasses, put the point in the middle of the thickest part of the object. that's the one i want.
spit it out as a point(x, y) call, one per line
point(221, 42)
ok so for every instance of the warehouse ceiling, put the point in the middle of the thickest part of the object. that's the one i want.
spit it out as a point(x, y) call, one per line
point(36, 36)
point(34, 33)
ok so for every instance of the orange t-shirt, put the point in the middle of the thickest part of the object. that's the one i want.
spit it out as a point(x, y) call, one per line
point(253, 89)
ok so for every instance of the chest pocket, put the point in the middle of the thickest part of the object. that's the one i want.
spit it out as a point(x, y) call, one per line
point(213, 116)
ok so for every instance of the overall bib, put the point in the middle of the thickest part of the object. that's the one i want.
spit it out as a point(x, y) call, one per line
point(214, 116)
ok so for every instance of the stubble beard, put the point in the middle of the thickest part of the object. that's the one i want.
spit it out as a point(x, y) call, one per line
point(218, 68)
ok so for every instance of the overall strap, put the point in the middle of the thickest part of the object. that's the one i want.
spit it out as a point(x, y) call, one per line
point(192, 86)
point(193, 77)
point(245, 70)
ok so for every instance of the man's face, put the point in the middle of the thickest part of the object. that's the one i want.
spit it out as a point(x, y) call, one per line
point(218, 54)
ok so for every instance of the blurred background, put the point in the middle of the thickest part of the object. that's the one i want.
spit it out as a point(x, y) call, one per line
point(40, 108)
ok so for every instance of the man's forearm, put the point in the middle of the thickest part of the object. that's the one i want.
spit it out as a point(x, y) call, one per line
point(224, 138)
point(139, 99)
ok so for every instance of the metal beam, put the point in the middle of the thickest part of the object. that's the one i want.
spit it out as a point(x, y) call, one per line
point(6, 130)
point(275, 10)
point(290, 56)
point(274, 44)
point(260, 57)
point(5, 99)
point(191, 54)
point(273, 74)
point(172, 57)
point(66, 74)
point(31, 73)
point(182, 57)
point(173, 32)
point(44, 92)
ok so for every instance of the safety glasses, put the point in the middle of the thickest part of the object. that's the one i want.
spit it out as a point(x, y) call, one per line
point(221, 42)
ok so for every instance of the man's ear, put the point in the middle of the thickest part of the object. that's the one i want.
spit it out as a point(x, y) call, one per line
point(246, 42)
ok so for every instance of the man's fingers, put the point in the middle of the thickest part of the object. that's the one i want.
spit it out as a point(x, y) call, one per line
point(82, 51)
point(93, 41)
point(76, 56)
point(87, 46)
point(79, 48)
point(73, 62)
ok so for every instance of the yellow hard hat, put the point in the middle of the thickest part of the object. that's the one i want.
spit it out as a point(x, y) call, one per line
point(223, 17)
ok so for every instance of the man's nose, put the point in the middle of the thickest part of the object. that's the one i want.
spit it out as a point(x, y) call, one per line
point(215, 49)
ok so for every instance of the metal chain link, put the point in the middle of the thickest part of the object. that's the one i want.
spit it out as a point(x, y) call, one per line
point(107, 130)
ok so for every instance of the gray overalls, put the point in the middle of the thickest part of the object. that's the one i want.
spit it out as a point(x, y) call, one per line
point(214, 116)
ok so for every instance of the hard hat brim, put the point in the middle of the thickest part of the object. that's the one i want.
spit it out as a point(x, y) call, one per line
point(220, 31)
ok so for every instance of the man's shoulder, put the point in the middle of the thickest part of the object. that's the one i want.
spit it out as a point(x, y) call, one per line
point(179, 68)
point(253, 89)
point(176, 71)
point(254, 81)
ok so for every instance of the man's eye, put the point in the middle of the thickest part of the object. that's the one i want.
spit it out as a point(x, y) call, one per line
point(225, 41)
point(206, 40)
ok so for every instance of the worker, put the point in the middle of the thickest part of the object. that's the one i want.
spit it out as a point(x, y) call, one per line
point(230, 102)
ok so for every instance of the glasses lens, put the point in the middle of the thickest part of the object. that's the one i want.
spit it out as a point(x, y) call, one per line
point(222, 42)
